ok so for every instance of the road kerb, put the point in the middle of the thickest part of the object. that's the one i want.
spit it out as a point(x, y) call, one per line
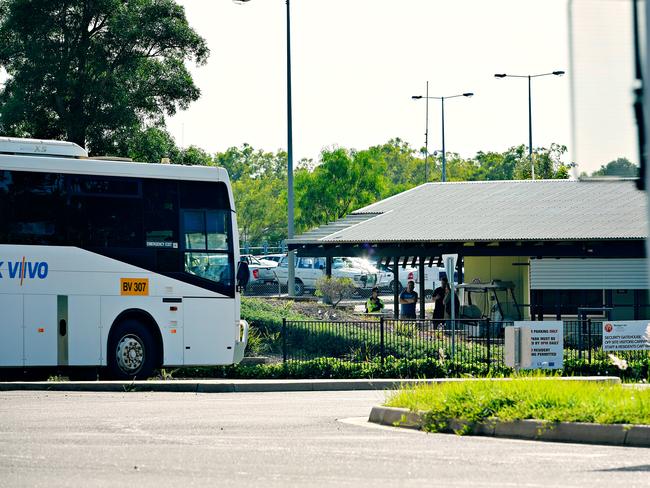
point(252, 385)
point(584, 433)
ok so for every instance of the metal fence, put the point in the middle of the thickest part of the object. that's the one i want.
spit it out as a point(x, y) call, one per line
point(474, 342)
point(469, 341)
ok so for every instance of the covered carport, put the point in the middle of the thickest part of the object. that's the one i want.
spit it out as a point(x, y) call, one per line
point(497, 229)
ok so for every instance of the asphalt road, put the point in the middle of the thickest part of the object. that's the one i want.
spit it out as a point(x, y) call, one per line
point(271, 439)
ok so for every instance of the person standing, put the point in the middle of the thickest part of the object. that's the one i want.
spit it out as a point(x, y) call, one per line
point(374, 303)
point(438, 299)
point(407, 299)
point(447, 302)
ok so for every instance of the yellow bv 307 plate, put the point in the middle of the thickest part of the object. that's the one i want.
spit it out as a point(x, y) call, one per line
point(134, 286)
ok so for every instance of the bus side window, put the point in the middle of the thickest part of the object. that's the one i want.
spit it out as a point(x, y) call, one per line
point(161, 213)
point(105, 221)
point(194, 229)
point(31, 208)
point(105, 212)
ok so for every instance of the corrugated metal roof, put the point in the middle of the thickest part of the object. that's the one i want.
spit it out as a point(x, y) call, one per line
point(496, 211)
point(341, 224)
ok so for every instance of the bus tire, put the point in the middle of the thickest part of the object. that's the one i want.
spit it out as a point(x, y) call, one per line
point(131, 351)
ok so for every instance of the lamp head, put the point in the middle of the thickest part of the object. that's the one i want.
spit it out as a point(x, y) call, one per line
point(500, 75)
point(558, 73)
point(416, 97)
point(468, 94)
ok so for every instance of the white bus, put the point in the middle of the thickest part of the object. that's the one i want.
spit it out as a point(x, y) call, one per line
point(113, 263)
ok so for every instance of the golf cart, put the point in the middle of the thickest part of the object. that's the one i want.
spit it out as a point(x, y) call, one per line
point(482, 301)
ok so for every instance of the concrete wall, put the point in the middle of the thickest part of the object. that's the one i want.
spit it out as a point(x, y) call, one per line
point(504, 268)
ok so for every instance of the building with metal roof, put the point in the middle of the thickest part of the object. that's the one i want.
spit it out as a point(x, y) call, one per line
point(544, 235)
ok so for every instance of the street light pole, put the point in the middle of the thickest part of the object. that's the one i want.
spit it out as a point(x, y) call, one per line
point(291, 278)
point(443, 177)
point(530, 132)
point(530, 110)
point(444, 151)
point(426, 140)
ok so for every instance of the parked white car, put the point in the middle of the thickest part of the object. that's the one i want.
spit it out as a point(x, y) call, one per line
point(384, 278)
point(261, 271)
point(308, 270)
point(406, 274)
point(276, 258)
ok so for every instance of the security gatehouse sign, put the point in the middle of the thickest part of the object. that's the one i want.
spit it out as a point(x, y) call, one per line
point(631, 335)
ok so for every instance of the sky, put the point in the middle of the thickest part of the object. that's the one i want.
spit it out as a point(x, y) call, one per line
point(356, 64)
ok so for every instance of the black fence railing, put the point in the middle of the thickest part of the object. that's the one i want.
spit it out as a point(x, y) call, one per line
point(469, 341)
point(477, 342)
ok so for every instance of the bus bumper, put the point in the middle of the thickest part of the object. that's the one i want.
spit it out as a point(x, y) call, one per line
point(240, 345)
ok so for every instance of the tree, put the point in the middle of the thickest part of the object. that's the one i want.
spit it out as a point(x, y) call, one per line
point(403, 169)
point(621, 167)
point(86, 70)
point(248, 162)
point(343, 182)
point(498, 166)
point(547, 161)
point(261, 205)
point(194, 156)
point(259, 183)
point(148, 145)
point(458, 169)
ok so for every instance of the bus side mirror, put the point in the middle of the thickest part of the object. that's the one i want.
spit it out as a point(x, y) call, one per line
point(243, 276)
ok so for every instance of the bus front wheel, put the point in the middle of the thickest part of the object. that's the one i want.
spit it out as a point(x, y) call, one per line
point(131, 351)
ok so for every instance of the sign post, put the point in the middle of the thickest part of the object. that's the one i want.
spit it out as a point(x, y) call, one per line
point(450, 268)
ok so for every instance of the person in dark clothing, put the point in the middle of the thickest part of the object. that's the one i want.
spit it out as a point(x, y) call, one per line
point(438, 298)
point(407, 300)
point(447, 301)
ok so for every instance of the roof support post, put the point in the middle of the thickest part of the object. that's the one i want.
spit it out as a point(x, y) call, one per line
point(396, 287)
point(421, 276)
point(328, 266)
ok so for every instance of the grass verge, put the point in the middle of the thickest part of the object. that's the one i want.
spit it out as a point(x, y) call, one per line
point(525, 398)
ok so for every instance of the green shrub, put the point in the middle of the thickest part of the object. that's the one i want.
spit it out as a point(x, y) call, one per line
point(334, 289)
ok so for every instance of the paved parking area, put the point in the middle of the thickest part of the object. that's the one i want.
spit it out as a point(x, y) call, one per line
point(271, 439)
